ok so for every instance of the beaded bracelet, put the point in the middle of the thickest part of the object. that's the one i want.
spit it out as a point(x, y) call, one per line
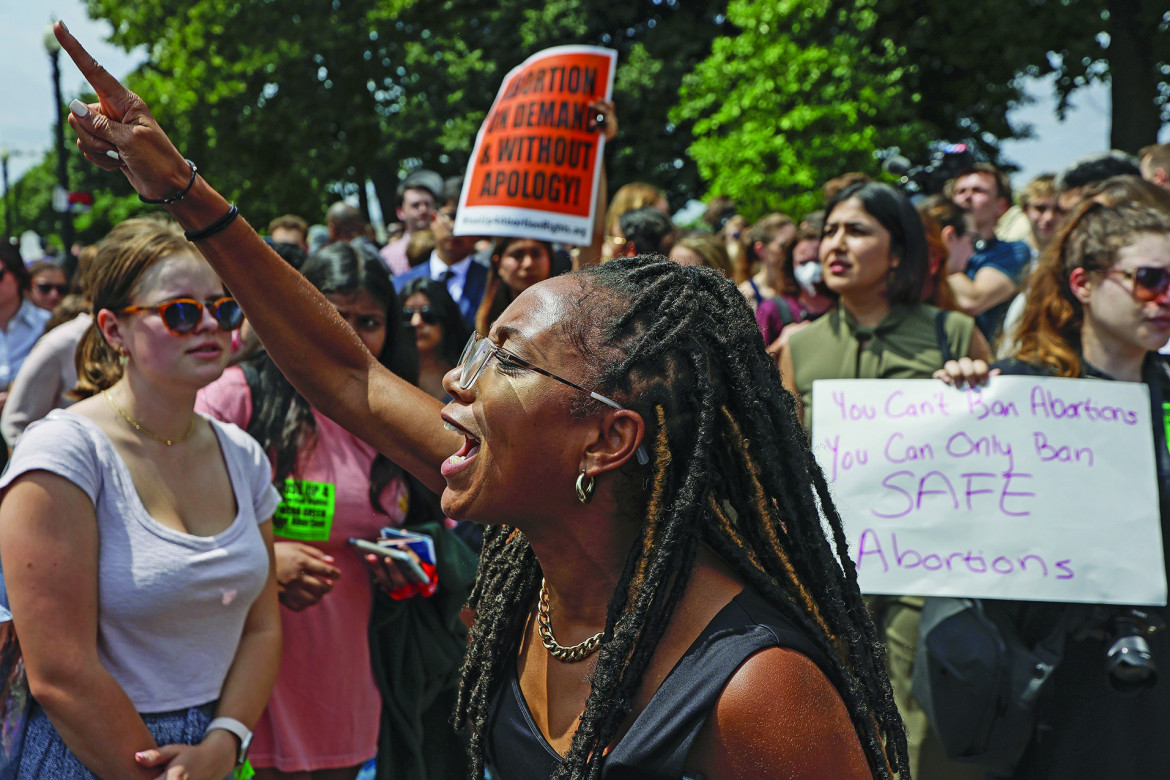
point(173, 198)
point(214, 227)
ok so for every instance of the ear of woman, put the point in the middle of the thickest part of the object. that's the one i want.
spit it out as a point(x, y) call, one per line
point(1079, 284)
point(619, 434)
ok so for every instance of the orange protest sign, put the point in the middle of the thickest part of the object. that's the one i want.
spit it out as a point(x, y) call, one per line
point(537, 157)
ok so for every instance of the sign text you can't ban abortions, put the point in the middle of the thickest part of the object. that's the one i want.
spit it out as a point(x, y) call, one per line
point(1031, 488)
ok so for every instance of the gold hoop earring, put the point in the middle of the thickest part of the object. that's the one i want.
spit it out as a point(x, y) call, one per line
point(585, 487)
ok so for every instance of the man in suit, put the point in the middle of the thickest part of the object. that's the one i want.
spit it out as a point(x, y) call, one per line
point(451, 262)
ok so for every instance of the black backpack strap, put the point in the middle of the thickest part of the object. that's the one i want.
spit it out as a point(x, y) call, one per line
point(940, 333)
point(252, 377)
point(786, 316)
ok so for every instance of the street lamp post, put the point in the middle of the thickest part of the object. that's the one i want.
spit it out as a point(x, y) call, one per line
point(4, 154)
point(54, 50)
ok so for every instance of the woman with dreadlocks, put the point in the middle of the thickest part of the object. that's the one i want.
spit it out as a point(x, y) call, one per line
point(657, 596)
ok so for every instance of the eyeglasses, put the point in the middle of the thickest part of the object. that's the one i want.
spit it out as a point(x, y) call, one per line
point(1149, 282)
point(44, 288)
point(183, 315)
point(479, 351)
point(426, 313)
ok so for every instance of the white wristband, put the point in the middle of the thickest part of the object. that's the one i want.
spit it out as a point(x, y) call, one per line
point(235, 727)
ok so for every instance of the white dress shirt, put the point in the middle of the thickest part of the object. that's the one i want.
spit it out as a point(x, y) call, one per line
point(458, 277)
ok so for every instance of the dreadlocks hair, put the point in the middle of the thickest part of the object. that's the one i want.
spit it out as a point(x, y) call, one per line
point(730, 467)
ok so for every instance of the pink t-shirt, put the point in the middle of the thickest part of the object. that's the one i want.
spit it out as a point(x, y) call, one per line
point(325, 708)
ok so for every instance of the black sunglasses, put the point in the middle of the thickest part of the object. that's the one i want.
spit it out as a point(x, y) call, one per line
point(44, 288)
point(426, 313)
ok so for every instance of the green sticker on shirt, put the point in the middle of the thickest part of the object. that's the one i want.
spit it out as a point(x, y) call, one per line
point(306, 511)
point(1166, 421)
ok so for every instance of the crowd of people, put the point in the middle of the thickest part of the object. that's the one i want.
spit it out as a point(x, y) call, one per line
point(635, 567)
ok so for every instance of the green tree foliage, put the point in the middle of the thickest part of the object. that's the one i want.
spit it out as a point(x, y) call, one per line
point(1124, 42)
point(968, 58)
point(807, 89)
point(114, 199)
point(778, 109)
point(285, 105)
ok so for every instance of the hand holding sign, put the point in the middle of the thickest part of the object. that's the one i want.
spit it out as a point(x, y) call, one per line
point(536, 163)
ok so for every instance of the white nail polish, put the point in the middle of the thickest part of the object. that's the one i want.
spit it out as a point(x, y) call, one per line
point(79, 109)
point(113, 155)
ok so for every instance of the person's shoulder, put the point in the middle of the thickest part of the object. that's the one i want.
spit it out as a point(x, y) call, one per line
point(62, 443)
point(67, 333)
point(767, 308)
point(419, 271)
point(477, 270)
point(232, 379)
point(1019, 249)
point(1010, 255)
point(740, 741)
point(819, 328)
point(1015, 367)
point(63, 423)
point(234, 436)
point(955, 322)
point(33, 314)
point(228, 398)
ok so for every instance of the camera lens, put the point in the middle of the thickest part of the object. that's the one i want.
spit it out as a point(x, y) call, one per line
point(1128, 659)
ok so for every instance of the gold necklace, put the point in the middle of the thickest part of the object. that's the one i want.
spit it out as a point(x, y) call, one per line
point(556, 650)
point(141, 429)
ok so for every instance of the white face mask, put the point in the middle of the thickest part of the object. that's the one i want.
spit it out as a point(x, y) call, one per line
point(807, 276)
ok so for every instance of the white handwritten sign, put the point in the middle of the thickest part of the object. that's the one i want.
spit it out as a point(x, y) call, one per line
point(1031, 488)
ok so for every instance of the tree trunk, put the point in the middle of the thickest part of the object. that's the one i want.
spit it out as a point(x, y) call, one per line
point(1133, 75)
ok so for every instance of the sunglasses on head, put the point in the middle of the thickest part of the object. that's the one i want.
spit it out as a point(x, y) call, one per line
point(426, 313)
point(1150, 282)
point(183, 315)
point(44, 288)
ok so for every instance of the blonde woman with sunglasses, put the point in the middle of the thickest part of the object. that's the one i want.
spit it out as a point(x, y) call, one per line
point(135, 536)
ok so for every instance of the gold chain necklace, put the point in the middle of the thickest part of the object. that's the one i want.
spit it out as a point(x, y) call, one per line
point(558, 651)
point(141, 429)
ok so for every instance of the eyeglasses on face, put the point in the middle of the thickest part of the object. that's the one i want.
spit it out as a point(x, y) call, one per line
point(1149, 282)
point(426, 313)
point(183, 315)
point(479, 351)
point(44, 288)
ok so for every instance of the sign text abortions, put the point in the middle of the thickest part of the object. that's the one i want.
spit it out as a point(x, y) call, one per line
point(1030, 488)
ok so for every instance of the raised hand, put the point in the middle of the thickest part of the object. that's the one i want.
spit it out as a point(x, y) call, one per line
point(119, 132)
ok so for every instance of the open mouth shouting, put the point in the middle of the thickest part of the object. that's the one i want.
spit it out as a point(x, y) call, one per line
point(466, 454)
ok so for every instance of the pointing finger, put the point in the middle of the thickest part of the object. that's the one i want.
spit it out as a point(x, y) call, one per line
point(115, 97)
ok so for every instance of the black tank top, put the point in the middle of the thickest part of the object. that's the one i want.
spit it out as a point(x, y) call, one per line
point(658, 743)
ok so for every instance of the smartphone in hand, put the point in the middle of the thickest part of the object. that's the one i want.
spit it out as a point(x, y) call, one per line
point(406, 564)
